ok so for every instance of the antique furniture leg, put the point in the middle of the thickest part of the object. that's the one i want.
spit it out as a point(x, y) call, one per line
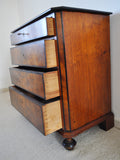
point(108, 123)
point(69, 143)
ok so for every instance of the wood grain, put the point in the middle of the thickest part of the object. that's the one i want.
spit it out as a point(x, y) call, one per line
point(51, 84)
point(45, 117)
point(52, 117)
point(51, 51)
point(87, 53)
point(103, 119)
point(63, 81)
point(51, 30)
point(44, 85)
point(27, 106)
point(41, 28)
point(36, 54)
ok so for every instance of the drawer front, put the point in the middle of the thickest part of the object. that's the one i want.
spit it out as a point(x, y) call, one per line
point(44, 116)
point(42, 84)
point(39, 29)
point(40, 54)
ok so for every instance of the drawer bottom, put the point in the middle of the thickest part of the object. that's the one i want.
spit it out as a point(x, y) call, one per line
point(46, 116)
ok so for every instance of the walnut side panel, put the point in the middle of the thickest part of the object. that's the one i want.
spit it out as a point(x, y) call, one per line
point(87, 53)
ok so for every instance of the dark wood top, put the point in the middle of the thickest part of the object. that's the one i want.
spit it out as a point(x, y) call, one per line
point(61, 8)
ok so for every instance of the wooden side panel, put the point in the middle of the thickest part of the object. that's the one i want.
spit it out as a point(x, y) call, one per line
point(61, 57)
point(52, 117)
point(26, 106)
point(41, 28)
point(51, 84)
point(87, 53)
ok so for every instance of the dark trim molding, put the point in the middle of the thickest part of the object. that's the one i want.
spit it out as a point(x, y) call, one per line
point(65, 69)
point(61, 8)
point(60, 74)
point(74, 133)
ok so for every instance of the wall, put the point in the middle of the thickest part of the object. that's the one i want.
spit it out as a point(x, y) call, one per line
point(8, 21)
point(115, 63)
point(30, 8)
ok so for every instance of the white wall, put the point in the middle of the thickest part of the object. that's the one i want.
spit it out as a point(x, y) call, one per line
point(30, 8)
point(115, 63)
point(8, 21)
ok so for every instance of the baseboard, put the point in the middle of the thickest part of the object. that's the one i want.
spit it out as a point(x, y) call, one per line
point(117, 124)
point(2, 90)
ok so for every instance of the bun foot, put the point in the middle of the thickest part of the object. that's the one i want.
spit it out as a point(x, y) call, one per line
point(69, 143)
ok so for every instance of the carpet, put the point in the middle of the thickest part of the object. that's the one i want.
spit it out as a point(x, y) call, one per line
point(20, 140)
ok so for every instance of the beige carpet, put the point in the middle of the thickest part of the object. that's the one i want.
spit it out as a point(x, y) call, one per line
point(19, 140)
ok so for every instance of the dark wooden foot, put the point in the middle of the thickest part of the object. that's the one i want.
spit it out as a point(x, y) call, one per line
point(108, 123)
point(69, 143)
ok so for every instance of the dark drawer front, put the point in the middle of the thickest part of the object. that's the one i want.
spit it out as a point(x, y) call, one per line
point(42, 84)
point(39, 54)
point(41, 28)
point(44, 116)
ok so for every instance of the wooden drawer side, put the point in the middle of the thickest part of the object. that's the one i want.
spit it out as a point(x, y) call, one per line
point(27, 107)
point(51, 51)
point(51, 84)
point(42, 84)
point(45, 117)
point(36, 54)
point(52, 117)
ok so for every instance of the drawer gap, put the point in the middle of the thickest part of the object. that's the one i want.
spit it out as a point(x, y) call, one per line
point(37, 69)
point(28, 94)
point(34, 40)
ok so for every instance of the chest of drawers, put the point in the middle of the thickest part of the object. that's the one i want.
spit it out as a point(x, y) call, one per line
point(62, 74)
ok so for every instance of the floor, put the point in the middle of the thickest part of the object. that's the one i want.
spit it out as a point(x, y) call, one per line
point(19, 140)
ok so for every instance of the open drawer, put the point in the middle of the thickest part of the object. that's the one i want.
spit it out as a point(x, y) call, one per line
point(44, 115)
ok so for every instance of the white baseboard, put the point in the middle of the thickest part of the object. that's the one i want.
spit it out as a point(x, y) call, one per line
point(117, 124)
point(2, 90)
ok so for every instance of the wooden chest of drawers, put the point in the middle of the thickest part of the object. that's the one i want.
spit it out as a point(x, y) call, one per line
point(62, 78)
